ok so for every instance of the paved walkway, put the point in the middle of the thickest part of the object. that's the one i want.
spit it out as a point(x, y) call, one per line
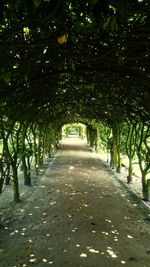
point(77, 214)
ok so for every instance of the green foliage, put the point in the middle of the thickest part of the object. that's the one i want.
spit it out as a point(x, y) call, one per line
point(36, 3)
point(99, 74)
point(104, 136)
point(87, 72)
point(28, 152)
point(111, 24)
point(5, 76)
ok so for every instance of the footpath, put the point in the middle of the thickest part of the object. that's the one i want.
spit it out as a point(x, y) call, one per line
point(75, 214)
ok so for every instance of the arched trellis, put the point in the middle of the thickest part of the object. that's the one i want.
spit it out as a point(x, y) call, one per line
point(76, 61)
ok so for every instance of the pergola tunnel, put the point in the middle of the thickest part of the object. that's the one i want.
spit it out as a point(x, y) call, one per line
point(26, 148)
point(74, 75)
point(74, 117)
point(74, 62)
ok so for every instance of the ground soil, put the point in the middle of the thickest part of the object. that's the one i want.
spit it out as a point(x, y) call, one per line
point(75, 214)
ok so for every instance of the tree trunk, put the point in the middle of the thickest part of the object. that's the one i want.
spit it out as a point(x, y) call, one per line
point(36, 168)
point(114, 157)
point(15, 183)
point(97, 139)
point(2, 176)
point(130, 170)
point(27, 178)
point(145, 187)
point(1, 184)
point(24, 168)
point(29, 171)
point(40, 154)
point(7, 174)
point(114, 154)
point(118, 169)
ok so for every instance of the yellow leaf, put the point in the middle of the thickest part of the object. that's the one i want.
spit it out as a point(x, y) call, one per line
point(63, 39)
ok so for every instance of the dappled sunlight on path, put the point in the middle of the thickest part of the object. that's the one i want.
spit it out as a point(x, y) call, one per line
point(77, 215)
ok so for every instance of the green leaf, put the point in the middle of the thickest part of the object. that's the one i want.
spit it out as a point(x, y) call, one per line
point(114, 24)
point(106, 24)
point(73, 66)
point(92, 87)
point(111, 24)
point(94, 2)
point(5, 77)
point(36, 3)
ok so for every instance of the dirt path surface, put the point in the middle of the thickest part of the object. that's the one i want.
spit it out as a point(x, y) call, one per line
point(77, 214)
